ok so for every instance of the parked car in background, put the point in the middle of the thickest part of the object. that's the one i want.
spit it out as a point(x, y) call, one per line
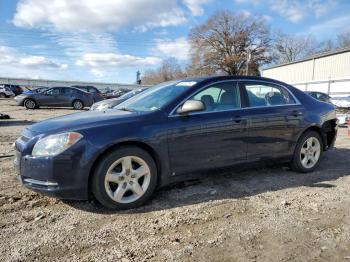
point(5, 92)
point(341, 101)
point(170, 131)
point(117, 93)
point(29, 90)
point(320, 96)
point(110, 103)
point(97, 95)
point(16, 89)
point(56, 97)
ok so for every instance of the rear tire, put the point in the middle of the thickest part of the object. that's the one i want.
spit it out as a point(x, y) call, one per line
point(307, 153)
point(78, 105)
point(30, 104)
point(2, 95)
point(125, 178)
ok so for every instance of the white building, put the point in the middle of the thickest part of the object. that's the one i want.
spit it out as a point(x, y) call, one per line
point(327, 72)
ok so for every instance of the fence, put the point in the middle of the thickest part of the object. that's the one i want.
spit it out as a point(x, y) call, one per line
point(51, 83)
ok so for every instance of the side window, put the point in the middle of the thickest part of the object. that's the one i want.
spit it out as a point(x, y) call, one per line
point(220, 97)
point(266, 94)
point(323, 97)
point(69, 91)
point(53, 91)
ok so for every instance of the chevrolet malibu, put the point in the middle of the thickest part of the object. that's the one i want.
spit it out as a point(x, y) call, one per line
point(170, 131)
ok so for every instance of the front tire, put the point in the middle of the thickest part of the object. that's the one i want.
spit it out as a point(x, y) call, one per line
point(2, 95)
point(125, 178)
point(78, 105)
point(308, 152)
point(29, 104)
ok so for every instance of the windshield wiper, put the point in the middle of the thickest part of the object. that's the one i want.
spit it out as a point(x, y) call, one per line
point(127, 109)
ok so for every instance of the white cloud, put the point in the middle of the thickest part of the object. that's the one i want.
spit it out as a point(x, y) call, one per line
point(292, 10)
point(12, 58)
point(245, 13)
point(328, 27)
point(100, 15)
point(295, 10)
point(196, 6)
point(112, 60)
point(178, 48)
point(254, 2)
point(76, 44)
point(14, 63)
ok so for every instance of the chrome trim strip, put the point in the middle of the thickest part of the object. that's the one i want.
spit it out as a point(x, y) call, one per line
point(39, 182)
point(173, 114)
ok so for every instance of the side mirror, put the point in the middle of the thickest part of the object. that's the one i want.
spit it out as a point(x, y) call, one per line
point(191, 106)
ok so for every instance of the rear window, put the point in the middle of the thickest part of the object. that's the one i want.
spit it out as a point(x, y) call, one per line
point(69, 91)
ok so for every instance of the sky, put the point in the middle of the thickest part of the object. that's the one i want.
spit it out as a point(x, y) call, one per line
point(109, 40)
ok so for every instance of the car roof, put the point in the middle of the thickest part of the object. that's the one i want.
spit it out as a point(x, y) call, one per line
point(70, 88)
point(223, 78)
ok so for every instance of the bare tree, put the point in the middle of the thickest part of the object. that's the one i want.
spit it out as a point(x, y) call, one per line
point(326, 46)
point(168, 70)
point(222, 43)
point(288, 48)
point(344, 39)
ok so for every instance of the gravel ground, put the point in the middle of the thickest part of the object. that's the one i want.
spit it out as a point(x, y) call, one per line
point(264, 214)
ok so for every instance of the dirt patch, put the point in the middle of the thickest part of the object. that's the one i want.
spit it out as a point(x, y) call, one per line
point(265, 214)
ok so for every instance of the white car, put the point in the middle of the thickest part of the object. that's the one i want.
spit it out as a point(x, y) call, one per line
point(343, 102)
point(4, 92)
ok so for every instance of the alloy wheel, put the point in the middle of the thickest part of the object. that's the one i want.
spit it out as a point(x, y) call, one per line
point(127, 179)
point(78, 105)
point(30, 104)
point(310, 152)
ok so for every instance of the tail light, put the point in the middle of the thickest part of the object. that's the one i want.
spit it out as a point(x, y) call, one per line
point(87, 94)
point(98, 94)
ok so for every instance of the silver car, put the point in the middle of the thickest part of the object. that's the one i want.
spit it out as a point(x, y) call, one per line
point(5, 92)
point(110, 103)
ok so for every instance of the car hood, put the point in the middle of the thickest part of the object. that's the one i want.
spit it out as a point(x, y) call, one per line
point(82, 120)
point(110, 101)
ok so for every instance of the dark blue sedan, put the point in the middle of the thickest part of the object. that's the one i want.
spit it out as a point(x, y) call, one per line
point(170, 131)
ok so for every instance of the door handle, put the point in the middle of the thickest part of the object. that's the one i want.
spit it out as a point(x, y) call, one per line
point(239, 119)
point(297, 113)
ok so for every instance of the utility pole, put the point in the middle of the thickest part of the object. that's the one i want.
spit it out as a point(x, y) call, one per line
point(138, 77)
point(249, 55)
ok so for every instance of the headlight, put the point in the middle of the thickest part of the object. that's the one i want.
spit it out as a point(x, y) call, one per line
point(55, 144)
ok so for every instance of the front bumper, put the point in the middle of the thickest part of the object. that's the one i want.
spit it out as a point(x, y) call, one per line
point(62, 176)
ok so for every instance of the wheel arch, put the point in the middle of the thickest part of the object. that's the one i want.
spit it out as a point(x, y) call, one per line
point(322, 131)
point(30, 98)
point(150, 150)
point(77, 99)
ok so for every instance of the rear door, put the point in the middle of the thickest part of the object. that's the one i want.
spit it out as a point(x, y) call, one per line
point(275, 117)
point(68, 95)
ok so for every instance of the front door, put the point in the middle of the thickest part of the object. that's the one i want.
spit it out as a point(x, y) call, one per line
point(215, 137)
point(51, 97)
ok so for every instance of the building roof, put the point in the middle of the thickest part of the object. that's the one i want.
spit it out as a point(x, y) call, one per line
point(315, 56)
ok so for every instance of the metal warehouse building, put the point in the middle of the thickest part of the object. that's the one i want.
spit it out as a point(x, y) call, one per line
point(326, 72)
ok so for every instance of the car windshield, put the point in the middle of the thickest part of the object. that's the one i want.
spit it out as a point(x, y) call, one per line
point(154, 98)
